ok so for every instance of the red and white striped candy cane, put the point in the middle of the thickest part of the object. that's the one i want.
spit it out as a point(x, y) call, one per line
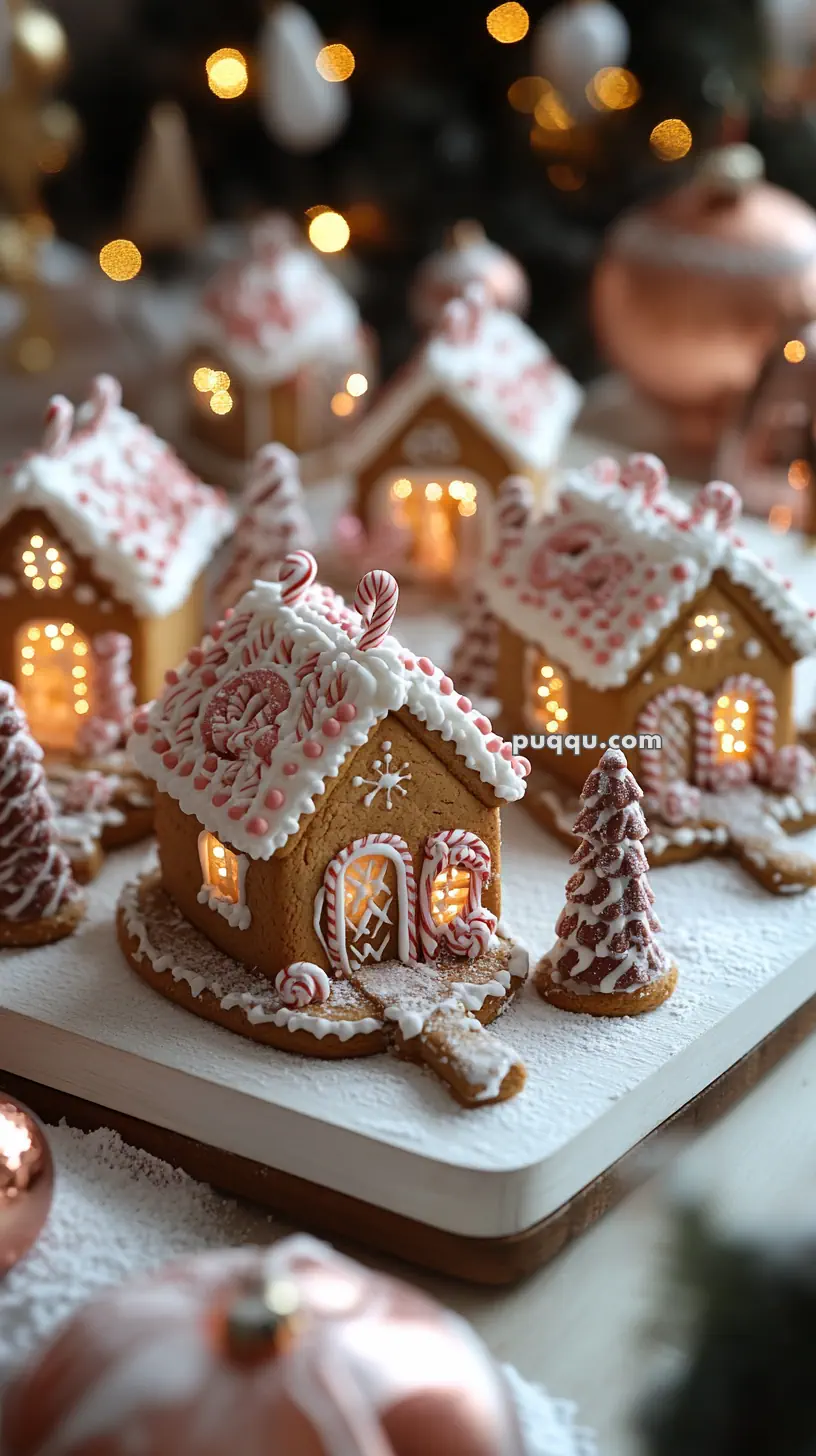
point(59, 422)
point(392, 847)
point(762, 728)
point(336, 689)
point(461, 317)
point(652, 764)
point(308, 707)
point(722, 499)
point(606, 470)
point(376, 600)
point(647, 471)
point(513, 509)
point(297, 572)
point(445, 848)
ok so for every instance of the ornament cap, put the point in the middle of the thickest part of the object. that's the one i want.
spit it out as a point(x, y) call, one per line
point(729, 171)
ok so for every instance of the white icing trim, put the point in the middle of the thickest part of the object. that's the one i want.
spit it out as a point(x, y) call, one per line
point(372, 846)
point(236, 912)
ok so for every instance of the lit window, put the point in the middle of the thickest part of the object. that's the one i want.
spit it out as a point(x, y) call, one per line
point(706, 631)
point(548, 695)
point(54, 687)
point(43, 564)
point(732, 725)
point(364, 888)
point(449, 894)
point(221, 869)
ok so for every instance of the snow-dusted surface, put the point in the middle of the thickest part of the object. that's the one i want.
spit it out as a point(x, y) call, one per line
point(118, 1212)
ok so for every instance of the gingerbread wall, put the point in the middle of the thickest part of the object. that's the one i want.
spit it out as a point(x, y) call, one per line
point(616, 710)
point(281, 891)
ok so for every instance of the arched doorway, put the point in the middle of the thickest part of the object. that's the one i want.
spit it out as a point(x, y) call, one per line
point(53, 676)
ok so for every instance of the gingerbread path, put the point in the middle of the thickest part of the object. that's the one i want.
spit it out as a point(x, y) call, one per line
point(423, 1013)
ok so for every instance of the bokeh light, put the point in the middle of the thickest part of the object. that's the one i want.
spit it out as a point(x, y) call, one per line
point(780, 519)
point(550, 111)
point(508, 23)
point(335, 62)
point(221, 402)
point(227, 73)
point(566, 179)
point(525, 93)
point(121, 260)
point(613, 89)
point(342, 404)
point(800, 475)
point(204, 380)
point(329, 232)
point(794, 351)
point(356, 384)
point(671, 139)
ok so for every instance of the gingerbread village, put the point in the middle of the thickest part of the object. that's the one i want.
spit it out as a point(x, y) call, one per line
point(327, 803)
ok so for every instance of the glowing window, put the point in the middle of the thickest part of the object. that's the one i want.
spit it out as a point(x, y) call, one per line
point(221, 869)
point(548, 702)
point(366, 892)
point(733, 726)
point(449, 894)
point(44, 566)
point(53, 670)
point(706, 631)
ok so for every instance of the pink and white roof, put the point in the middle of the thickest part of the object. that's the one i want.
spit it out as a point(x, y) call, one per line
point(280, 309)
point(120, 496)
point(260, 717)
point(491, 366)
point(597, 582)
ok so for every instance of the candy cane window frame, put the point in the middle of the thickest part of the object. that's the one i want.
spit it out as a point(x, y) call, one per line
point(331, 898)
point(466, 928)
point(225, 893)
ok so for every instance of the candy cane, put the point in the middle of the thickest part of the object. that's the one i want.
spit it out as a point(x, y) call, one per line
point(763, 706)
point(307, 707)
point(302, 983)
point(513, 509)
point(297, 572)
point(453, 847)
point(336, 689)
point(647, 471)
point(59, 422)
point(393, 848)
point(724, 500)
point(652, 767)
point(606, 470)
point(376, 600)
point(105, 396)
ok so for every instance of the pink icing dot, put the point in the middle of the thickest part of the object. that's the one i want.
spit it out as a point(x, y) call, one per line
point(140, 723)
point(409, 663)
point(195, 656)
point(199, 782)
point(655, 602)
point(650, 573)
point(289, 769)
point(170, 760)
point(171, 676)
point(522, 767)
point(160, 745)
point(484, 725)
point(346, 712)
point(208, 677)
point(557, 613)
point(215, 632)
point(275, 799)
point(235, 811)
point(635, 620)
point(230, 612)
point(446, 686)
point(616, 639)
point(185, 770)
point(588, 643)
point(427, 666)
point(570, 631)
point(332, 728)
point(312, 749)
point(679, 571)
point(465, 704)
point(506, 751)
point(257, 825)
point(493, 745)
point(601, 658)
point(222, 797)
point(584, 612)
point(210, 763)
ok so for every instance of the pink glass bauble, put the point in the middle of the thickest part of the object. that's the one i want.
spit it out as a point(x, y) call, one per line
point(293, 1349)
point(26, 1182)
point(693, 290)
point(468, 257)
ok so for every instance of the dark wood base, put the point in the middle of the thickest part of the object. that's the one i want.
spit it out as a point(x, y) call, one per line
point(339, 1217)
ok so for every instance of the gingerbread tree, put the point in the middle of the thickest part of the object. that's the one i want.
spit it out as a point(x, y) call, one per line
point(608, 944)
point(36, 883)
point(273, 522)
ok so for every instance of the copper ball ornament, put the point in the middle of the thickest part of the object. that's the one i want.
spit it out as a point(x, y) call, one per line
point(693, 290)
point(467, 257)
point(293, 1349)
point(26, 1182)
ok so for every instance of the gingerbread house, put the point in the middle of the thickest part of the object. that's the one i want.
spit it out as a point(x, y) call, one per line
point(327, 816)
point(624, 612)
point(278, 351)
point(104, 537)
point(482, 397)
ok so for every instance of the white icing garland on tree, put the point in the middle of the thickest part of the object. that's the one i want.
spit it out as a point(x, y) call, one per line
point(35, 875)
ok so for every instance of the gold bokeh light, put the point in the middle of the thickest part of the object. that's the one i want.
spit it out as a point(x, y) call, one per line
point(121, 260)
point(671, 140)
point(329, 232)
point(227, 74)
point(508, 23)
point(335, 62)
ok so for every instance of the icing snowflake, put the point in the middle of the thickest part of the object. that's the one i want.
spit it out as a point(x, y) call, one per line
point(389, 779)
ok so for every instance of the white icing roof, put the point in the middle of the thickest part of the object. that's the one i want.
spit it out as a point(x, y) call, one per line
point(270, 314)
point(500, 374)
point(596, 583)
point(120, 496)
point(267, 709)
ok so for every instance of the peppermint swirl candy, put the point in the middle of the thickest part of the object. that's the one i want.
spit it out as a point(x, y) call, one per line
point(302, 983)
point(469, 934)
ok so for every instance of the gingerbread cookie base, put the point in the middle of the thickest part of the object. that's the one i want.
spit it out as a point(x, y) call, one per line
point(428, 1014)
point(598, 1003)
point(46, 930)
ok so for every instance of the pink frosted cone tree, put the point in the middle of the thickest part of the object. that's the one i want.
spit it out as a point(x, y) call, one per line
point(36, 883)
point(609, 959)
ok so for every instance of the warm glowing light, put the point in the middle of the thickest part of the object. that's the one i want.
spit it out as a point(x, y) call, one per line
point(38, 583)
point(671, 140)
point(51, 630)
point(221, 869)
point(34, 634)
point(780, 519)
point(795, 351)
point(508, 23)
point(551, 113)
point(67, 629)
point(227, 73)
point(342, 404)
point(561, 714)
point(79, 671)
point(467, 508)
point(709, 644)
point(80, 649)
point(221, 402)
point(28, 652)
point(696, 645)
point(356, 385)
point(700, 621)
point(329, 232)
point(80, 689)
point(30, 570)
point(335, 62)
point(723, 702)
point(720, 725)
point(55, 583)
point(433, 491)
point(613, 89)
point(738, 723)
point(121, 260)
point(799, 475)
point(57, 644)
point(456, 490)
point(552, 709)
point(401, 489)
point(52, 554)
point(27, 669)
point(566, 179)
point(81, 706)
point(204, 380)
point(740, 746)
point(718, 632)
point(36, 542)
point(525, 93)
point(449, 894)
point(29, 556)
point(547, 671)
point(552, 726)
point(741, 705)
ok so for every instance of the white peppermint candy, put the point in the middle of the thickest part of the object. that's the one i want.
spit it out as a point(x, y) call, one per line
point(469, 934)
point(302, 983)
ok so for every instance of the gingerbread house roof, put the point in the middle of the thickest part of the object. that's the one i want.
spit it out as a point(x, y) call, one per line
point(270, 314)
point(491, 366)
point(597, 582)
point(265, 712)
point(120, 496)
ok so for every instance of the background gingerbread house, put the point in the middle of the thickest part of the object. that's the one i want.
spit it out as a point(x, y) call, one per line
point(102, 531)
point(625, 612)
point(275, 343)
point(481, 398)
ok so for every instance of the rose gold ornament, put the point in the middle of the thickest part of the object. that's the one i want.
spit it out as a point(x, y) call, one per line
point(26, 1182)
point(693, 290)
point(293, 1345)
point(467, 257)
